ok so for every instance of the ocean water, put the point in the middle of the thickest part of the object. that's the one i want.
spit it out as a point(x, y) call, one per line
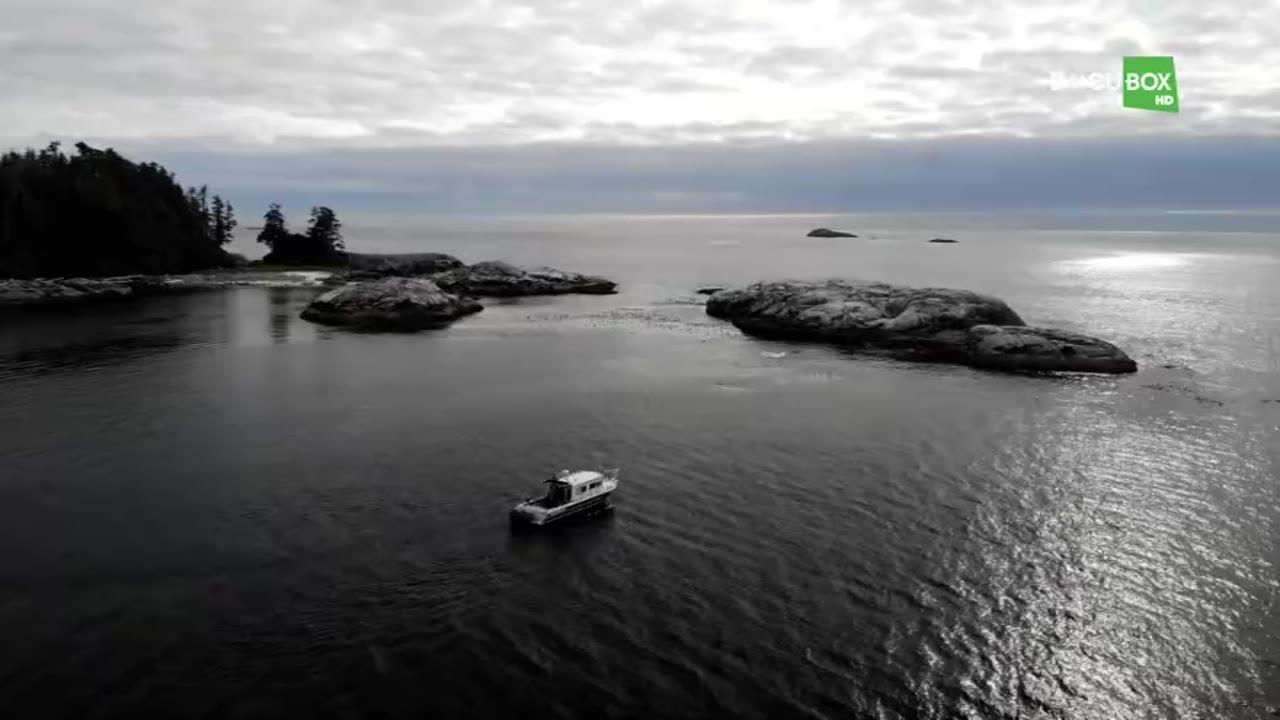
point(210, 508)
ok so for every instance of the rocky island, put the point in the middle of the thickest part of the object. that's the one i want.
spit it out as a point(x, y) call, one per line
point(928, 324)
point(425, 290)
point(370, 265)
point(494, 278)
point(828, 233)
point(491, 278)
point(391, 303)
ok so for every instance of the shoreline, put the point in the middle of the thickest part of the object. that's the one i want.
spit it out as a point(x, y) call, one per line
point(62, 291)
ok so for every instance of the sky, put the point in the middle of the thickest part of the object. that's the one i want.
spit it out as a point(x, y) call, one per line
point(691, 105)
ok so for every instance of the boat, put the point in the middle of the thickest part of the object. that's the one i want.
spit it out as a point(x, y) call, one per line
point(570, 494)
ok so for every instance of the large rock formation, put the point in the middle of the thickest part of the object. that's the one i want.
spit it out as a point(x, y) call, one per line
point(392, 303)
point(501, 279)
point(368, 265)
point(827, 233)
point(918, 323)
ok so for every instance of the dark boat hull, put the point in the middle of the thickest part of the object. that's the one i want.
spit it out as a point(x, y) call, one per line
point(582, 510)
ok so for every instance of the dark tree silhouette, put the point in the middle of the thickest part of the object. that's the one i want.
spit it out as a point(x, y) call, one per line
point(325, 232)
point(96, 213)
point(228, 221)
point(274, 234)
point(321, 245)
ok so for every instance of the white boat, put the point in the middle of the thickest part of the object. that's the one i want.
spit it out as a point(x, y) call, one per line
point(570, 494)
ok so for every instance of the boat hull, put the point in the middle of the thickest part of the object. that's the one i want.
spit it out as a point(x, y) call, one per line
point(564, 514)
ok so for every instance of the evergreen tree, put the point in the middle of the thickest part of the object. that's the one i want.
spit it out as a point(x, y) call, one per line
point(228, 222)
point(324, 236)
point(218, 232)
point(275, 235)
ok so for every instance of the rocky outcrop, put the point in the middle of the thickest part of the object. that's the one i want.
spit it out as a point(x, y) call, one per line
point(943, 240)
point(501, 279)
point(63, 291)
point(935, 324)
point(827, 233)
point(72, 291)
point(367, 265)
point(1040, 349)
point(392, 303)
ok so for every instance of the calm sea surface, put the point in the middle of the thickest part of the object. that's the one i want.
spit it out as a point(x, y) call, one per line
point(210, 508)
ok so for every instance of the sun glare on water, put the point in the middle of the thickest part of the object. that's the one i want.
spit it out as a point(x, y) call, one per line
point(1132, 261)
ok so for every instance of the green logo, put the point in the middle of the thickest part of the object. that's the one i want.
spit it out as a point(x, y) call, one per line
point(1149, 83)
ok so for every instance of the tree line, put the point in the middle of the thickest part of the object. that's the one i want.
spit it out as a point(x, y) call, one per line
point(96, 213)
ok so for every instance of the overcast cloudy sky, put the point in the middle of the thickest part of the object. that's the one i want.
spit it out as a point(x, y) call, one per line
point(437, 99)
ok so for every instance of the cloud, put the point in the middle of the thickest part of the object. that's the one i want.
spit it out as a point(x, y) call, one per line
point(398, 73)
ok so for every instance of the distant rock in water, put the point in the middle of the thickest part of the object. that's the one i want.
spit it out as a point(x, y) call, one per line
point(501, 279)
point(392, 303)
point(709, 289)
point(943, 240)
point(367, 265)
point(933, 324)
point(826, 233)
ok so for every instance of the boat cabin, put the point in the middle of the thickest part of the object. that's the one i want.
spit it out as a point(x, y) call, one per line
point(568, 487)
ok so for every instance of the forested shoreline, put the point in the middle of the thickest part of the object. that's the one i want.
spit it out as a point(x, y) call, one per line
point(95, 213)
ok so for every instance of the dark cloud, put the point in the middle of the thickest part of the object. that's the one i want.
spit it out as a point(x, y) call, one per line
point(952, 173)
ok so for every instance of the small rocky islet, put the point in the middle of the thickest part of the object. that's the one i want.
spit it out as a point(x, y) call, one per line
point(427, 290)
point(829, 233)
point(390, 303)
point(927, 324)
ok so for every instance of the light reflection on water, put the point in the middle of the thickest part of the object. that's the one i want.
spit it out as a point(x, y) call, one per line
point(1134, 261)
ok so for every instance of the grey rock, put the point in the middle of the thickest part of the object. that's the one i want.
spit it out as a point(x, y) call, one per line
point(53, 292)
point(392, 303)
point(827, 233)
point(369, 265)
point(1037, 349)
point(64, 291)
point(934, 324)
point(502, 279)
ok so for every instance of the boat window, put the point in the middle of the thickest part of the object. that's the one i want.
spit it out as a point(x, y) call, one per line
point(595, 485)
